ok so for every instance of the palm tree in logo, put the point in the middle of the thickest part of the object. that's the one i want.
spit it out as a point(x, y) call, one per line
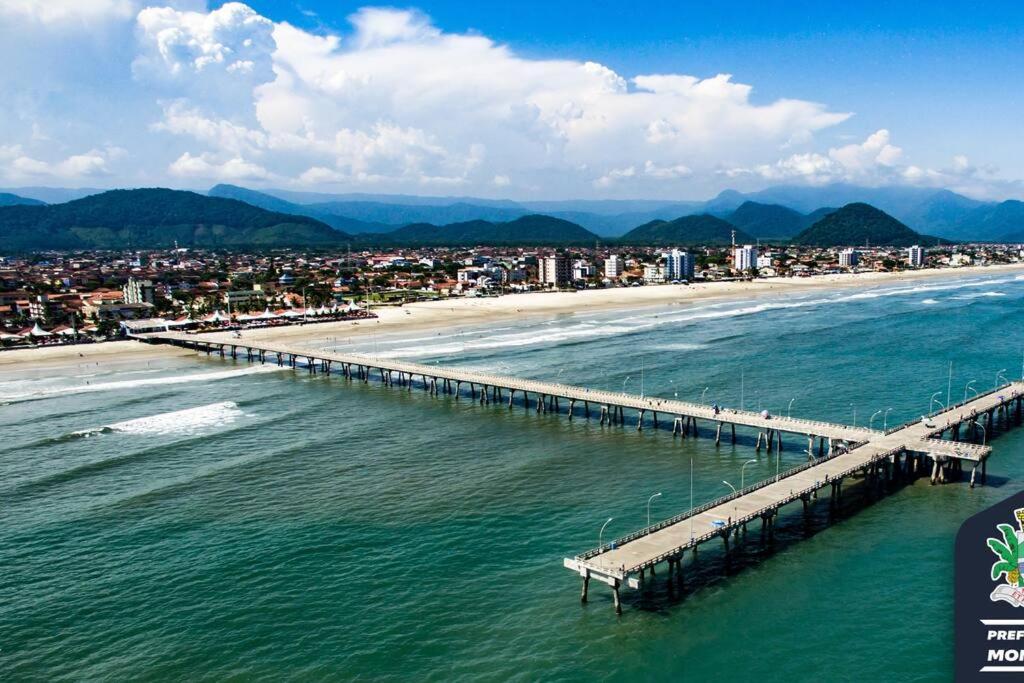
point(1008, 551)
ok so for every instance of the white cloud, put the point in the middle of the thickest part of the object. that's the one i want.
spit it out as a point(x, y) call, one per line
point(207, 167)
point(61, 11)
point(394, 103)
point(17, 166)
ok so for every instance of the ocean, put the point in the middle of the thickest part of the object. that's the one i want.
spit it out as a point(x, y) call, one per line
point(193, 518)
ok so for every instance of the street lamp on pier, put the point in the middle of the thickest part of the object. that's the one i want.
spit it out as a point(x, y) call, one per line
point(600, 534)
point(743, 470)
point(656, 495)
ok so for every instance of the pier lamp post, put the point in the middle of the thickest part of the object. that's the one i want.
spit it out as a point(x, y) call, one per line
point(871, 420)
point(934, 401)
point(968, 387)
point(998, 375)
point(885, 420)
point(703, 393)
point(600, 534)
point(743, 470)
point(854, 414)
point(984, 433)
point(628, 377)
point(735, 508)
point(656, 495)
point(789, 410)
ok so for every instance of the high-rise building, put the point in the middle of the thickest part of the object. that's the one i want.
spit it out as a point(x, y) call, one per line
point(139, 291)
point(849, 258)
point(744, 258)
point(679, 265)
point(555, 270)
point(915, 256)
point(613, 266)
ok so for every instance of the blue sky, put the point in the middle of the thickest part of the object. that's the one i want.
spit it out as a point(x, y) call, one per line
point(519, 99)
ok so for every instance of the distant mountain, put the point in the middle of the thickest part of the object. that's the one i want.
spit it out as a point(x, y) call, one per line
point(687, 230)
point(994, 222)
point(858, 224)
point(8, 199)
point(765, 221)
point(148, 218)
point(52, 195)
point(527, 230)
point(272, 203)
point(395, 215)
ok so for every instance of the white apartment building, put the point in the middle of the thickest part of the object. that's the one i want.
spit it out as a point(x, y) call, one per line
point(679, 265)
point(554, 270)
point(744, 258)
point(849, 258)
point(915, 256)
point(613, 266)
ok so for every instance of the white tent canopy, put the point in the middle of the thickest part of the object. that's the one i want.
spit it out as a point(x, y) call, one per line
point(39, 332)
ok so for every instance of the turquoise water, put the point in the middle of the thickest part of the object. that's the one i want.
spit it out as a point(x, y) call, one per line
point(198, 519)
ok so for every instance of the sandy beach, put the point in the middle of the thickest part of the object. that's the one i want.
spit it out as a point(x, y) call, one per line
point(439, 315)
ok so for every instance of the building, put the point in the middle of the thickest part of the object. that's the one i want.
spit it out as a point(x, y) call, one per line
point(613, 266)
point(744, 258)
point(679, 265)
point(45, 310)
point(849, 258)
point(554, 271)
point(139, 291)
point(915, 256)
point(244, 298)
point(653, 273)
point(581, 270)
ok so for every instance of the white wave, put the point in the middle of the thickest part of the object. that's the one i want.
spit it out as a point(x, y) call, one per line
point(681, 346)
point(979, 295)
point(187, 421)
point(50, 392)
point(929, 302)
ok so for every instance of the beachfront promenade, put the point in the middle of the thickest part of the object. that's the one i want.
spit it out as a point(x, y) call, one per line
point(835, 452)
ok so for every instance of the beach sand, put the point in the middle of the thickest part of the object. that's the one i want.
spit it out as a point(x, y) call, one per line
point(442, 314)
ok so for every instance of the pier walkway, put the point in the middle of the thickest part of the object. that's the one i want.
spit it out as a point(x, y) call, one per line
point(835, 452)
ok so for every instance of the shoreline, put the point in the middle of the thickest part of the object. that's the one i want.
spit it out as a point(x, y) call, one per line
point(439, 315)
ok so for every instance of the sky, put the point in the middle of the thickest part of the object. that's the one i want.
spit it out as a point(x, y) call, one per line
point(520, 100)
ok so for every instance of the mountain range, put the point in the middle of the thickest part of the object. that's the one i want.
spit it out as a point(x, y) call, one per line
point(120, 219)
point(234, 216)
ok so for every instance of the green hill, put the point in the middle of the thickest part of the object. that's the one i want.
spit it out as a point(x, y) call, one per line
point(858, 224)
point(700, 229)
point(527, 230)
point(156, 218)
point(766, 221)
point(8, 199)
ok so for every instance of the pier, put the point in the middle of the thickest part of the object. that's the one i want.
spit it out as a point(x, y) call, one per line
point(940, 446)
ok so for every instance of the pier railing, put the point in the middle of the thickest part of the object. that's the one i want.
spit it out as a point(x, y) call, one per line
point(682, 517)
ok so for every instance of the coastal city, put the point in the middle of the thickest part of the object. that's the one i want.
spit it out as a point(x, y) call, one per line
point(52, 298)
point(511, 341)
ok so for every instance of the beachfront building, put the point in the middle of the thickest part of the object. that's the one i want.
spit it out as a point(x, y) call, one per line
point(744, 258)
point(849, 258)
point(581, 270)
point(138, 291)
point(45, 310)
point(244, 299)
point(554, 271)
point(915, 256)
point(679, 265)
point(653, 273)
point(613, 266)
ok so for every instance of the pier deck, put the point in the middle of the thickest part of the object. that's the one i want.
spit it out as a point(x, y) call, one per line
point(905, 449)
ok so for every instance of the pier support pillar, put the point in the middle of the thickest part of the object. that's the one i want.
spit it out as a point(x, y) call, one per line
point(586, 587)
point(639, 420)
point(718, 434)
point(615, 598)
point(733, 427)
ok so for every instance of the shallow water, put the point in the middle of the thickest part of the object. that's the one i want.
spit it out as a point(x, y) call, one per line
point(204, 519)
